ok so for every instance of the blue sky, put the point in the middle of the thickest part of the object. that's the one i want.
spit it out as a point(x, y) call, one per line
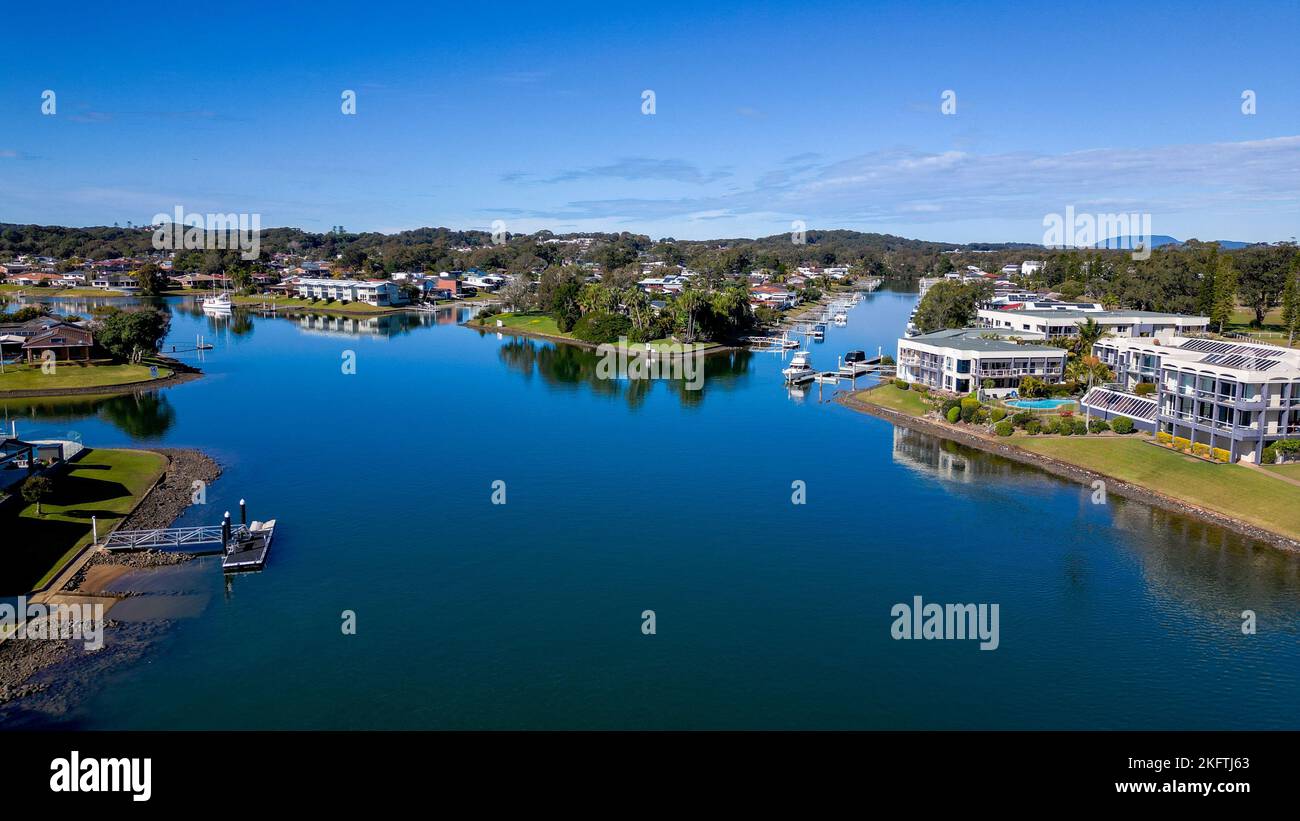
point(827, 113)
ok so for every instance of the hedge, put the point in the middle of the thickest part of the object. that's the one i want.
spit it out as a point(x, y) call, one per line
point(1004, 428)
point(1164, 438)
point(1122, 424)
point(1221, 455)
point(901, 384)
point(1181, 443)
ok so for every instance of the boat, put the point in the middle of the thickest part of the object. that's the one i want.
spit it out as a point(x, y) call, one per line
point(247, 547)
point(841, 318)
point(855, 357)
point(218, 303)
point(800, 368)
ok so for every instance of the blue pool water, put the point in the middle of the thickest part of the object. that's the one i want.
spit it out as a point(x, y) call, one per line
point(1039, 404)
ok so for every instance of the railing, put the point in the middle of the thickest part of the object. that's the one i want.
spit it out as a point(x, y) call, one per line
point(163, 537)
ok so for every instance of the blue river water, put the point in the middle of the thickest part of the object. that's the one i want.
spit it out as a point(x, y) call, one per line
point(622, 498)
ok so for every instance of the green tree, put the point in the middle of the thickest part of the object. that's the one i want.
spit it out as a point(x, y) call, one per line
point(1291, 302)
point(1090, 333)
point(130, 335)
point(1225, 292)
point(36, 489)
point(151, 279)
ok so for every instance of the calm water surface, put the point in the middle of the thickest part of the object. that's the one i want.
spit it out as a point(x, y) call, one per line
point(619, 499)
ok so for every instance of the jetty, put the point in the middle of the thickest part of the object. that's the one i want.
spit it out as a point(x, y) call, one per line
point(243, 546)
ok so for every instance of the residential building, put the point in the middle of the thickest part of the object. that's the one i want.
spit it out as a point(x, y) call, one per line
point(961, 360)
point(1044, 324)
point(1237, 396)
point(378, 292)
point(65, 342)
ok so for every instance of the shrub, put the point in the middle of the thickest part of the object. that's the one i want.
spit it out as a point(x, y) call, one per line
point(1164, 438)
point(901, 384)
point(1221, 455)
point(919, 388)
point(1182, 444)
point(969, 405)
point(1080, 427)
point(1065, 428)
point(953, 415)
point(599, 326)
point(1269, 456)
point(1022, 418)
point(1122, 424)
point(1004, 428)
point(980, 416)
point(997, 414)
point(1033, 427)
point(1098, 426)
point(1052, 425)
point(1201, 449)
point(1144, 388)
point(1288, 446)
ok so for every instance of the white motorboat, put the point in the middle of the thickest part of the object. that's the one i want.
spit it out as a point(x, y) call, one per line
point(800, 368)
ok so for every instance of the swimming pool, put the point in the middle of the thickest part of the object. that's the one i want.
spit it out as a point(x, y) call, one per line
point(1039, 404)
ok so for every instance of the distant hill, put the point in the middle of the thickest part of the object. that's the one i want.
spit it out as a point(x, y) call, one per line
point(1128, 243)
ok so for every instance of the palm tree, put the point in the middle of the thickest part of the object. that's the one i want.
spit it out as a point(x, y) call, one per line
point(1090, 333)
point(690, 302)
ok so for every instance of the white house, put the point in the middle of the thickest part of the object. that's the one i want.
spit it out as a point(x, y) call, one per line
point(378, 292)
point(961, 360)
point(1044, 324)
point(1236, 396)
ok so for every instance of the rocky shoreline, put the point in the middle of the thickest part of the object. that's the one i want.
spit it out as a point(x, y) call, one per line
point(20, 661)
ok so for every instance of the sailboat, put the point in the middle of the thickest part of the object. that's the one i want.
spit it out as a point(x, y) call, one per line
point(217, 303)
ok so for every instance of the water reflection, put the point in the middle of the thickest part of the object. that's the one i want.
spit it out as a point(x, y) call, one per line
point(561, 365)
point(931, 455)
point(1187, 562)
point(145, 415)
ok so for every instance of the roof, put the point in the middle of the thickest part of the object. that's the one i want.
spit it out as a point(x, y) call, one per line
point(60, 336)
point(1100, 315)
point(975, 339)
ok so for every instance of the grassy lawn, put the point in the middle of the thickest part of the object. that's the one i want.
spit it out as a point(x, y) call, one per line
point(1291, 471)
point(319, 306)
point(1233, 490)
point(32, 291)
point(1270, 331)
point(545, 324)
point(102, 483)
point(887, 396)
point(74, 375)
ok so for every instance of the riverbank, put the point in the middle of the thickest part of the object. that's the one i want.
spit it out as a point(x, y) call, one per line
point(542, 326)
point(94, 380)
point(1230, 496)
point(87, 576)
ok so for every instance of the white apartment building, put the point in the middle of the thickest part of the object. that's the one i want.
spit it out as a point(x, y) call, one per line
point(1044, 324)
point(1226, 394)
point(378, 292)
point(961, 360)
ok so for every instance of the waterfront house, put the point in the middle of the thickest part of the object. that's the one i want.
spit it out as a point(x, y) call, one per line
point(1057, 321)
point(1237, 396)
point(963, 359)
point(773, 296)
point(378, 292)
point(66, 342)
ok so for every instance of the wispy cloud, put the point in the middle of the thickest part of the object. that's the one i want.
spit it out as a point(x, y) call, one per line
point(913, 186)
point(631, 169)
